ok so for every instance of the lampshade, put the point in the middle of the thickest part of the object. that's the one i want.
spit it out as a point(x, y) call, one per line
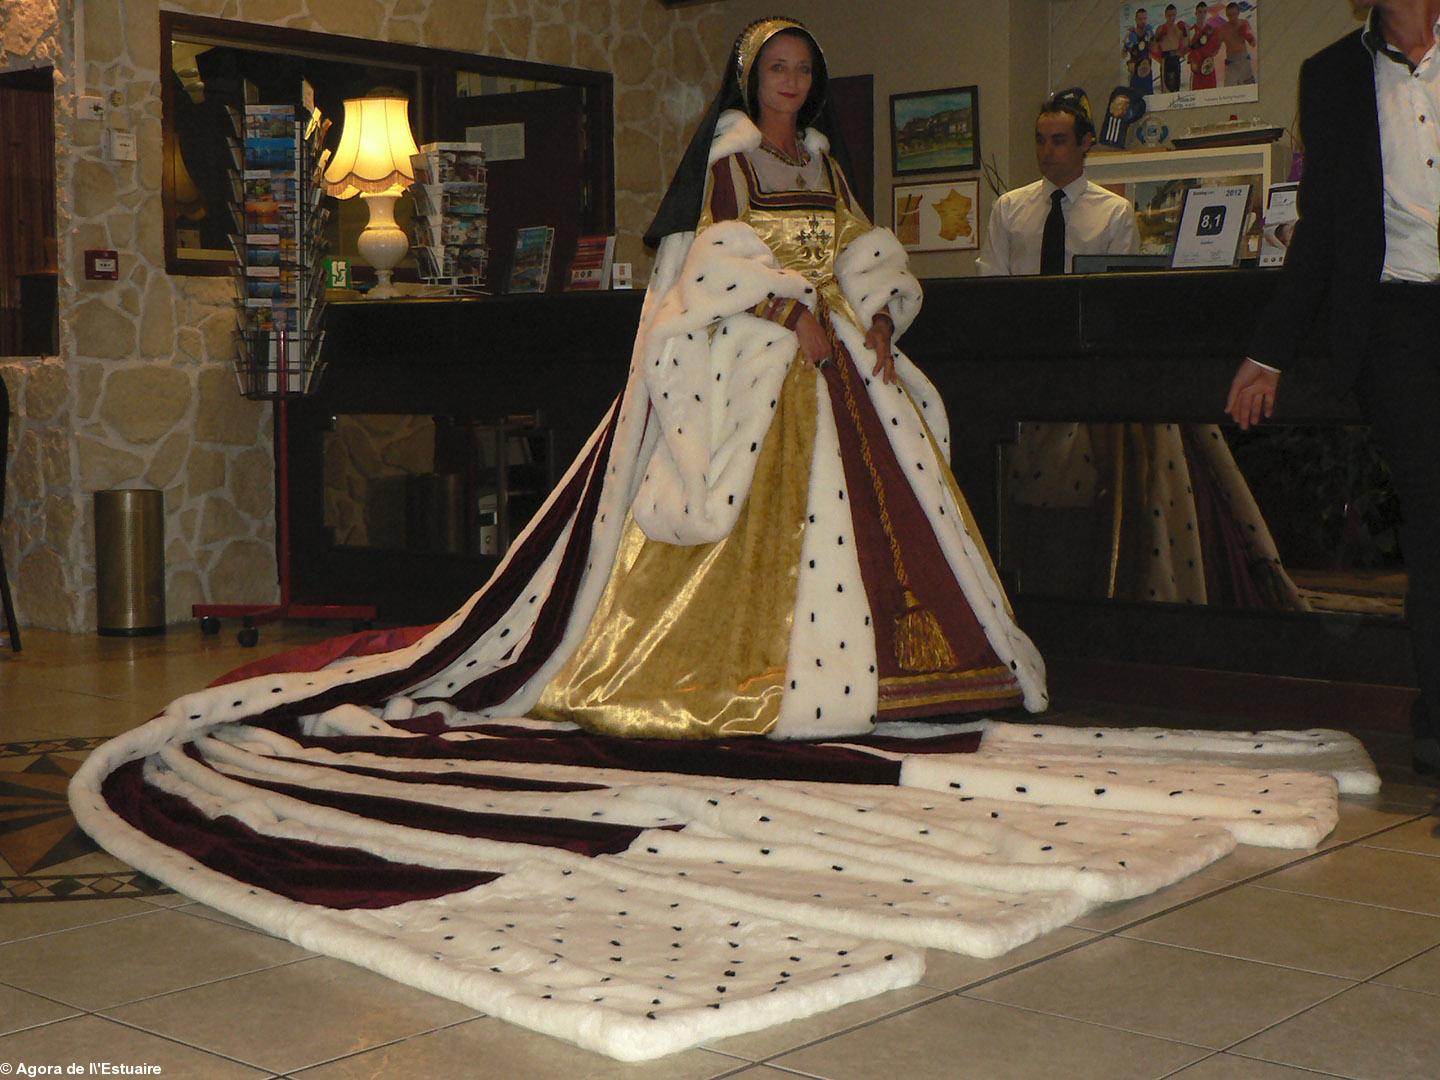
point(375, 148)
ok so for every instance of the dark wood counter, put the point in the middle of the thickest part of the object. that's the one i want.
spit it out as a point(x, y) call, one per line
point(1136, 347)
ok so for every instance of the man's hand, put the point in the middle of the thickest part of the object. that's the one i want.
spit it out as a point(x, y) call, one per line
point(1252, 394)
point(882, 329)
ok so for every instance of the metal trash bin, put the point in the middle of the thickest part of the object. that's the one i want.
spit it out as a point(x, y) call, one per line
point(130, 562)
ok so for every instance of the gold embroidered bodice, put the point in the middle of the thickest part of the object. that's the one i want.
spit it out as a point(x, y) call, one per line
point(806, 229)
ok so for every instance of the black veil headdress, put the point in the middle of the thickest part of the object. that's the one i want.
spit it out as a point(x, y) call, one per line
point(680, 208)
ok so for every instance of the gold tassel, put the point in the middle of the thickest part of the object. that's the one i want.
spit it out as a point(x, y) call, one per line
point(920, 643)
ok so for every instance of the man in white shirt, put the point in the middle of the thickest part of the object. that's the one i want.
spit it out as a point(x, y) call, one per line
point(1081, 218)
point(1366, 251)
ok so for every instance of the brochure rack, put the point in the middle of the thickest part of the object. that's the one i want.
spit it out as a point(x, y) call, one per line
point(279, 215)
point(448, 232)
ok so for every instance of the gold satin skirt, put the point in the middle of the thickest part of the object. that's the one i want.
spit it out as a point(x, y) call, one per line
point(691, 642)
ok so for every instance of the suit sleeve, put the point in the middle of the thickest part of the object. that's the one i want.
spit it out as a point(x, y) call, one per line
point(1305, 280)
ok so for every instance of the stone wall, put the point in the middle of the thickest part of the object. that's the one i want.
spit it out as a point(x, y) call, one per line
point(142, 393)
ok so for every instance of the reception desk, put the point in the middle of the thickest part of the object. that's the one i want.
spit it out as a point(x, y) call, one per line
point(1148, 347)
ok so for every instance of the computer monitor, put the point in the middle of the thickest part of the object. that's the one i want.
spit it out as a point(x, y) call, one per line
point(1118, 264)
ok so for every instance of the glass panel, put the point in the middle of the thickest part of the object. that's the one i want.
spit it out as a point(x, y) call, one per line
point(434, 483)
point(1298, 519)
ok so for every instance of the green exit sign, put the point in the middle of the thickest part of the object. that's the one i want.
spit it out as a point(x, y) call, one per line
point(337, 273)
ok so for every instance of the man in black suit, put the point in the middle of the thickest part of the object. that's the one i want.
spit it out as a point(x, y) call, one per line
point(1369, 205)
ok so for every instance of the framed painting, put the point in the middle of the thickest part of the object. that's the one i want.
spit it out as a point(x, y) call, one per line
point(935, 131)
point(1155, 183)
point(940, 216)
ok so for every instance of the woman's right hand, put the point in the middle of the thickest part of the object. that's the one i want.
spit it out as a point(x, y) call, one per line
point(814, 345)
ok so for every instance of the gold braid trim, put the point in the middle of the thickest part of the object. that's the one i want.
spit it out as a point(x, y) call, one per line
point(920, 642)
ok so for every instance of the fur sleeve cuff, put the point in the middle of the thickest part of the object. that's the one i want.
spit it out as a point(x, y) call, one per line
point(712, 369)
point(873, 272)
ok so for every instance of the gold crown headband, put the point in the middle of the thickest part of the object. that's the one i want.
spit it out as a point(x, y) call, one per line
point(752, 41)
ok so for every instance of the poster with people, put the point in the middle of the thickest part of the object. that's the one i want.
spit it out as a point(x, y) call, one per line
point(1187, 54)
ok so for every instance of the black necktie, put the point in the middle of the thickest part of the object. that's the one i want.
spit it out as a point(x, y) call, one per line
point(1052, 247)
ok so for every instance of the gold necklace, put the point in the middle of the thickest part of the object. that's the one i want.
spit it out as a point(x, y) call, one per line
point(796, 162)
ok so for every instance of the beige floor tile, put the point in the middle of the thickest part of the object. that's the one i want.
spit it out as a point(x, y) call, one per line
point(1109, 917)
point(168, 900)
point(1405, 789)
point(72, 716)
point(511, 1051)
point(289, 1018)
point(1246, 862)
point(27, 920)
point(143, 672)
point(1230, 1067)
point(1421, 974)
point(87, 1039)
point(1375, 1032)
point(1155, 990)
point(1421, 837)
point(960, 1038)
point(204, 911)
point(1396, 879)
point(951, 971)
point(123, 960)
point(768, 1042)
point(763, 1072)
point(23, 692)
point(21, 1010)
point(1332, 937)
point(1362, 818)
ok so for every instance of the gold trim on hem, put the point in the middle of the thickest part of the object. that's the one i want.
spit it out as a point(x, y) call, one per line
point(939, 699)
point(943, 676)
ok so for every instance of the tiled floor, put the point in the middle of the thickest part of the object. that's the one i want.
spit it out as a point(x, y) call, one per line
point(1264, 966)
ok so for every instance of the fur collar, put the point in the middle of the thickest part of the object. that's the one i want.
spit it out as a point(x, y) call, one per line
point(735, 133)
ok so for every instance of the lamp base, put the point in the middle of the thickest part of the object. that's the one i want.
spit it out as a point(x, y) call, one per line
point(382, 243)
point(384, 288)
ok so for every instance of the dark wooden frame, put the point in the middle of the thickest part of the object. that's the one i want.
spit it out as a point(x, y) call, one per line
point(436, 70)
point(974, 92)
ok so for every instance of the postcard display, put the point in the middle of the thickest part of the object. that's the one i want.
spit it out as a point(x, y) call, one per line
point(448, 230)
point(280, 217)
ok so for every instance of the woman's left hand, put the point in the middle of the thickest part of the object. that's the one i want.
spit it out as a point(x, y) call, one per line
point(878, 339)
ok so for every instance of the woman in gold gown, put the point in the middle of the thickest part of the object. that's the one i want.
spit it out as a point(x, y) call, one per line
point(799, 560)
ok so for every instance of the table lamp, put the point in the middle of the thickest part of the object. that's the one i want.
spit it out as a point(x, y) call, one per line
point(373, 162)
